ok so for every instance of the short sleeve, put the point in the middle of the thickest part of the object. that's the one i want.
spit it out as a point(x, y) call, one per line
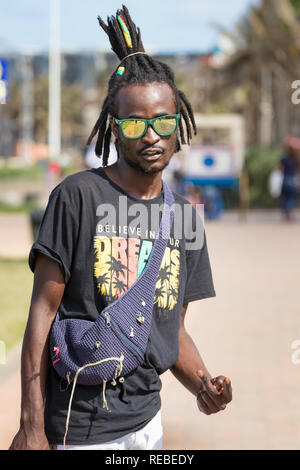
point(58, 232)
point(199, 281)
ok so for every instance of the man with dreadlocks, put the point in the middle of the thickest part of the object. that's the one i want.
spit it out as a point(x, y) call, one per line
point(82, 264)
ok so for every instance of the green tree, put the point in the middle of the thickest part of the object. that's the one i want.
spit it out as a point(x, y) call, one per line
point(256, 80)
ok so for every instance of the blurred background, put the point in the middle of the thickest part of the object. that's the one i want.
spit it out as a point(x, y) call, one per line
point(238, 63)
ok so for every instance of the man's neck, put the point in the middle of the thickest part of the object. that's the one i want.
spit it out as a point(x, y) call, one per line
point(134, 182)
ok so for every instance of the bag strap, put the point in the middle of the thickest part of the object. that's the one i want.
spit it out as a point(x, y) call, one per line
point(161, 241)
point(144, 286)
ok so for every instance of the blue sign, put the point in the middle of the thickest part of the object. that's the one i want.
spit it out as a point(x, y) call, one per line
point(3, 81)
point(221, 182)
point(209, 161)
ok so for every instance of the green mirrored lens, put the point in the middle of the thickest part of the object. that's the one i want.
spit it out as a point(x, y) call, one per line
point(165, 126)
point(133, 129)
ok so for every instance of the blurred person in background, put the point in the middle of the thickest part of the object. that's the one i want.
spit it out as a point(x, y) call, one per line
point(91, 160)
point(194, 194)
point(290, 168)
point(178, 183)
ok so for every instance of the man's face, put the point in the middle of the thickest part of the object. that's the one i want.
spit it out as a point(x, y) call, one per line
point(151, 153)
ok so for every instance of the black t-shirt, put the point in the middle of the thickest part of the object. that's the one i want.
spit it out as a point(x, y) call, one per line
point(91, 229)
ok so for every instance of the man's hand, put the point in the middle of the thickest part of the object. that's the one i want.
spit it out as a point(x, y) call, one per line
point(32, 440)
point(48, 289)
point(214, 393)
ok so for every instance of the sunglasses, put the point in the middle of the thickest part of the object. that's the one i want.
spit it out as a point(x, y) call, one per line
point(134, 128)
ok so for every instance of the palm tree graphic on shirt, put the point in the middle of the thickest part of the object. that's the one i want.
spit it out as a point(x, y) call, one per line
point(116, 268)
point(103, 283)
point(112, 276)
point(119, 286)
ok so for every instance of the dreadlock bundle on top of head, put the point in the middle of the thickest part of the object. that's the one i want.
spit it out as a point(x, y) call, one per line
point(135, 68)
point(124, 36)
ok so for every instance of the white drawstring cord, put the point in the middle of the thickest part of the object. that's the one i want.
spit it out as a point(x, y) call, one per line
point(104, 402)
point(118, 369)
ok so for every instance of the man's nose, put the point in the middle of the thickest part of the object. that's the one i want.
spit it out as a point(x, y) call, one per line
point(150, 137)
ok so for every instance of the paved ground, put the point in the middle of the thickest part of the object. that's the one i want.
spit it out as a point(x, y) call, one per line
point(245, 333)
point(15, 235)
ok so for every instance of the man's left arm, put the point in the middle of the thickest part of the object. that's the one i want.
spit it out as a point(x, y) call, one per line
point(212, 393)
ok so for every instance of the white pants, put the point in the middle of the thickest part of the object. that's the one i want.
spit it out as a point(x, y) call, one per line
point(147, 438)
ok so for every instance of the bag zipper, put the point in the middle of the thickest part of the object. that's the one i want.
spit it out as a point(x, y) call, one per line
point(110, 322)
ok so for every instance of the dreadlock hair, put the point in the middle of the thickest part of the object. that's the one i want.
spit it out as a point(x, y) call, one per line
point(137, 69)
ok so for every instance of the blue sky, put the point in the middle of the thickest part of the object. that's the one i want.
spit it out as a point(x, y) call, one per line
point(166, 25)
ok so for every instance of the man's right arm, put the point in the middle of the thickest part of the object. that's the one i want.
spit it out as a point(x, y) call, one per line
point(47, 293)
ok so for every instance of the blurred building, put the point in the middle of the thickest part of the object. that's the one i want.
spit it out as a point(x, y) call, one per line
point(76, 67)
point(232, 78)
point(87, 70)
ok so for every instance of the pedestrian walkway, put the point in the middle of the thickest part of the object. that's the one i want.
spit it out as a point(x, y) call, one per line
point(15, 235)
point(246, 333)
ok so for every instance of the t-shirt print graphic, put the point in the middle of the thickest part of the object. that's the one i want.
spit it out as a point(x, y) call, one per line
point(119, 262)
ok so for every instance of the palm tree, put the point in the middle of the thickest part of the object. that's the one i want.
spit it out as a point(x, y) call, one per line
point(266, 62)
point(116, 268)
point(164, 274)
point(103, 283)
point(119, 286)
point(173, 295)
point(159, 296)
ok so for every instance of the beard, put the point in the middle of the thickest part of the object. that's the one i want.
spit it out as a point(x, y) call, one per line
point(138, 165)
point(145, 171)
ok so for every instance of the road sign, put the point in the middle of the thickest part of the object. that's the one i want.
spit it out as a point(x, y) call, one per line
point(3, 81)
